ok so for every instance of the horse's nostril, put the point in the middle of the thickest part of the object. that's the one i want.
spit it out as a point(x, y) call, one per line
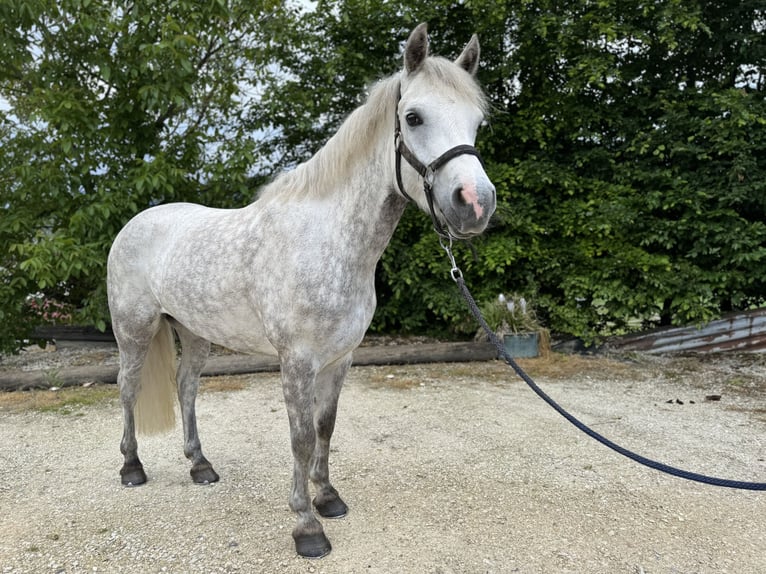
point(458, 196)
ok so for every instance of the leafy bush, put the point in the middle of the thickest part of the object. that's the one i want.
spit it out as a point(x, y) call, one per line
point(627, 142)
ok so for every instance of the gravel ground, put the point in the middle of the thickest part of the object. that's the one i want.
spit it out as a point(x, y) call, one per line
point(447, 468)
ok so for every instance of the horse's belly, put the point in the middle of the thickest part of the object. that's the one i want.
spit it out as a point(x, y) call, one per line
point(248, 345)
point(233, 326)
point(241, 330)
point(246, 339)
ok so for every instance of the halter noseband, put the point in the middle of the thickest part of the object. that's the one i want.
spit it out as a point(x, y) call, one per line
point(427, 172)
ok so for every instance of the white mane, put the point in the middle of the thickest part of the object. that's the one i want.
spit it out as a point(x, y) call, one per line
point(363, 129)
point(357, 136)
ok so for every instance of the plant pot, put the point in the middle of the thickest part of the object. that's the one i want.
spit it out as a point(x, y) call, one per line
point(522, 345)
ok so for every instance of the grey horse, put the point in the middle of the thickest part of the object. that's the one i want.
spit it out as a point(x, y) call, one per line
point(292, 274)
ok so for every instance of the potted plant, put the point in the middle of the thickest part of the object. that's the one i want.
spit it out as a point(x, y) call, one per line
point(514, 321)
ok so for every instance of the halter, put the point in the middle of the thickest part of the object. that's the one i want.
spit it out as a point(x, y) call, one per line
point(427, 172)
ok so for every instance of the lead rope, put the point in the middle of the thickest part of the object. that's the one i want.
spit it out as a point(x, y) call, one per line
point(457, 276)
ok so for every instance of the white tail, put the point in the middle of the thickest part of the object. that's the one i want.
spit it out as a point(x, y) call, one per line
point(155, 407)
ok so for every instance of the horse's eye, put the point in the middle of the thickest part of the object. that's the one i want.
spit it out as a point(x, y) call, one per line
point(413, 119)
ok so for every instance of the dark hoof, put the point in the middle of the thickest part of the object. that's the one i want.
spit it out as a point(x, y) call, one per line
point(204, 474)
point(312, 545)
point(331, 507)
point(132, 474)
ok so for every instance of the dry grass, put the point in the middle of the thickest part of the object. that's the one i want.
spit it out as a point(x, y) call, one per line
point(72, 400)
point(737, 374)
point(558, 366)
point(225, 383)
point(553, 366)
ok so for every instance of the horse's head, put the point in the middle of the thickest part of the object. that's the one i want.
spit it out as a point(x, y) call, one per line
point(440, 109)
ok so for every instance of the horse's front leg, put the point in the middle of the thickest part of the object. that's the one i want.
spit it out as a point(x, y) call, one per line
point(298, 380)
point(326, 392)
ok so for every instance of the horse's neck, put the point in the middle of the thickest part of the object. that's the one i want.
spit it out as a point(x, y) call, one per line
point(371, 206)
point(355, 174)
point(352, 177)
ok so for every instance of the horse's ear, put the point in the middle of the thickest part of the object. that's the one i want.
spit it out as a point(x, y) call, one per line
point(416, 50)
point(469, 59)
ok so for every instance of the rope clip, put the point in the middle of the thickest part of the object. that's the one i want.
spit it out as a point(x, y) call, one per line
point(455, 272)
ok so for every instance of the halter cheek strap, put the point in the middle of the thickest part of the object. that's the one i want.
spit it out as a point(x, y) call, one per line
point(427, 172)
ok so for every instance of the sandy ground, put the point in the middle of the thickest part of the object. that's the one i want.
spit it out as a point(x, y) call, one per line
point(447, 468)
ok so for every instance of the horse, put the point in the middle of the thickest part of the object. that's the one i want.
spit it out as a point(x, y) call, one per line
point(292, 273)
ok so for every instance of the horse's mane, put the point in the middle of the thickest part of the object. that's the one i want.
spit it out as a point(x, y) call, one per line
point(362, 130)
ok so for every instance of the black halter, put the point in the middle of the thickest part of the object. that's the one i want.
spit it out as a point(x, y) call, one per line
point(427, 172)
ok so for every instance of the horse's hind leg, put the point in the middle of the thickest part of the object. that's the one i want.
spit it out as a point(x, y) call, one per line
point(326, 392)
point(194, 353)
point(133, 350)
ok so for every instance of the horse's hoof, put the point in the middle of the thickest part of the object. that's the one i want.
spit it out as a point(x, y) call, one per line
point(132, 474)
point(312, 545)
point(204, 474)
point(332, 507)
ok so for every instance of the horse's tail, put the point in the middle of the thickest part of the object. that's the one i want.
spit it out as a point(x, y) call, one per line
point(155, 407)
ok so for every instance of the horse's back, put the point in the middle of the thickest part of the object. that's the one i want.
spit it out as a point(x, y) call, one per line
point(145, 230)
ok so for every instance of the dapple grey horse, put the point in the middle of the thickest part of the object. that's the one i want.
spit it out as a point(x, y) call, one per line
point(292, 274)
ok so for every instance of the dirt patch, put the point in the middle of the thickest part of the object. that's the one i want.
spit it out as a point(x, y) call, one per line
point(447, 468)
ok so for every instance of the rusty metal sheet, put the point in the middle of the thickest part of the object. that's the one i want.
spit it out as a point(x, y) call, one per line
point(743, 332)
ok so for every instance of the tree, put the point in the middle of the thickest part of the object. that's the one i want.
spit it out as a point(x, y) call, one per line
point(626, 141)
point(115, 107)
point(638, 136)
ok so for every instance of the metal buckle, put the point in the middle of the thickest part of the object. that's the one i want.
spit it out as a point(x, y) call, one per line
point(455, 272)
point(428, 177)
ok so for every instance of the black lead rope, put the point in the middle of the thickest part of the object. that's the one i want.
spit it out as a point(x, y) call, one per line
point(457, 276)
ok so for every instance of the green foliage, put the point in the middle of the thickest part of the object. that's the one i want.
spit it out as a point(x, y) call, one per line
point(627, 146)
point(626, 141)
point(630, 143)
point(114, 108)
